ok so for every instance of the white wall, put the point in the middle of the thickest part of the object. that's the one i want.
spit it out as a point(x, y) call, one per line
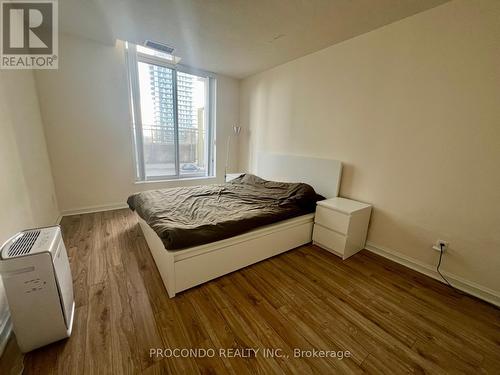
point(413, 111)
point(26, 189)
point(85, 109)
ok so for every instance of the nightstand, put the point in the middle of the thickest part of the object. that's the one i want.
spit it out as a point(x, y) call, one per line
point(341, 225)
point(232, 176)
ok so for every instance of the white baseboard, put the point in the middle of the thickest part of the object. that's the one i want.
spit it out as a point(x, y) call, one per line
point(91, 209)
point(466, 286)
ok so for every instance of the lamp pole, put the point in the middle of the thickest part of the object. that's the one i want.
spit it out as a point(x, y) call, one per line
point(236, 132)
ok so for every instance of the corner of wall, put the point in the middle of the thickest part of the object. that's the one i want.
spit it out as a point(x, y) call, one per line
point(44, 120)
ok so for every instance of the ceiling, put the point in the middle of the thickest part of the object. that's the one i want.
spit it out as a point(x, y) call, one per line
point(236, 38)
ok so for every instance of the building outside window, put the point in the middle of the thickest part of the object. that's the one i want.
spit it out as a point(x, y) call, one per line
point(173, 117)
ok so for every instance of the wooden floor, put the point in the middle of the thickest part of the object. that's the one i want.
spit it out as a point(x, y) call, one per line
point(391, 319)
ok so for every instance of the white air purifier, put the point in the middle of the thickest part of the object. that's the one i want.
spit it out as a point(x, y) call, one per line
point(37, 280)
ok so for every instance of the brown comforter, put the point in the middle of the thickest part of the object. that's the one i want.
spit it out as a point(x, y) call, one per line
point(195, 215)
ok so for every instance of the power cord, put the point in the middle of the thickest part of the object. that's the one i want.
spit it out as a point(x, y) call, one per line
point(439, 265)
point(440, 274)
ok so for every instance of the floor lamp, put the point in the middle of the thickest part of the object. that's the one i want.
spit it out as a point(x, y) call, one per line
point(235, 133)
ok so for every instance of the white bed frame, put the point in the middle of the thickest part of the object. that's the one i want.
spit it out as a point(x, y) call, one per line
point(184, 269)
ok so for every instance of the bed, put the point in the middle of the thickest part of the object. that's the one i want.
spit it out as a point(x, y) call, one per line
point(185, 260)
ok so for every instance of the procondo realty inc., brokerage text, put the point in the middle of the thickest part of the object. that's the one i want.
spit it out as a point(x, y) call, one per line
point(246, 353)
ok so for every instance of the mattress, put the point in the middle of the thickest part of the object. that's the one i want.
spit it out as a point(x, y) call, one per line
point(191, 216)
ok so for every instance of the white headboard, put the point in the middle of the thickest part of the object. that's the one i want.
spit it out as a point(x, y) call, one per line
point(322, 174)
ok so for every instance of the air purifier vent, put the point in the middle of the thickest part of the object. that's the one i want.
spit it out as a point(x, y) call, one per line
point(24, 243)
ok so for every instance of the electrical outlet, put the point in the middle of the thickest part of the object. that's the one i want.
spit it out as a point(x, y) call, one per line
point(441, 245)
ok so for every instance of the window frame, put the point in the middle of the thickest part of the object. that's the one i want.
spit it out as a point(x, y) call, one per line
point(133, 58)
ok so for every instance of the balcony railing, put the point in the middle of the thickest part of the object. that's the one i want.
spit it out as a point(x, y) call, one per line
point(159, 145)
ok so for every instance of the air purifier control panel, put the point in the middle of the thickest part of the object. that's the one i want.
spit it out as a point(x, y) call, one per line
point(47, 240)
point(44, 240)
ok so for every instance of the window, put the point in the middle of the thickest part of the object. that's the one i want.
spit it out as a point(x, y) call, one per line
point(172, 110)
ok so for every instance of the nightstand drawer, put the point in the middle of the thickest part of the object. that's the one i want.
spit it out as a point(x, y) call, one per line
point(330, 239)
point(332, 219)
